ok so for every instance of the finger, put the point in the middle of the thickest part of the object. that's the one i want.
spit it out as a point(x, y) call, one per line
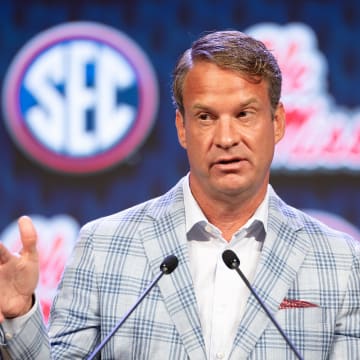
point(27, 234)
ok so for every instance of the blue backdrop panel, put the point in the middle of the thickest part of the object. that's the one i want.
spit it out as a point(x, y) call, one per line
point(163, 30)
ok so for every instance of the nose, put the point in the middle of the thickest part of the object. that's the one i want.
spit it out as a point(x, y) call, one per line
point(225, 135)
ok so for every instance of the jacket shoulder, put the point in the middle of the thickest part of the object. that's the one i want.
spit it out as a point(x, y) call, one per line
point(140, 213)
point(307, 225)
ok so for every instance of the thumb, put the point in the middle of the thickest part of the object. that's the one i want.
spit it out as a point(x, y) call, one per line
point(27, 234)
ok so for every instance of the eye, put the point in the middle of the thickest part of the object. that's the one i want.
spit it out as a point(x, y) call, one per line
point(204, 116)
point(247, 114)
point(243, 113)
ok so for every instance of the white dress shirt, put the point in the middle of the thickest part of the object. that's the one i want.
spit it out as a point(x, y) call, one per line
point(220, 292)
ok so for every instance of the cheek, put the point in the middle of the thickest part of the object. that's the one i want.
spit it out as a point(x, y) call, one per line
point(197, 147)
point(199, 141)
point(267, 146)
point(257, 136)
point(261, 141)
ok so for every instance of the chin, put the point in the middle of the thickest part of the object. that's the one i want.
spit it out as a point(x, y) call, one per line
point(232, 182)
point(231, 190)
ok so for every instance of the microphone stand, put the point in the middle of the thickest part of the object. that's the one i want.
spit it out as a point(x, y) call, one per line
point(169, 264)
point(232, 261)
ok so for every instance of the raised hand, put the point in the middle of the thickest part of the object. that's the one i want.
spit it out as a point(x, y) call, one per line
point(19, 273)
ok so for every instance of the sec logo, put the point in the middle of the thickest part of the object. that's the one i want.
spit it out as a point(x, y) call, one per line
point(80, 97)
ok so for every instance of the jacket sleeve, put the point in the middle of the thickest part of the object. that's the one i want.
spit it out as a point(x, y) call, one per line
point(346, 344)
point(30, 343)
point(75, 315)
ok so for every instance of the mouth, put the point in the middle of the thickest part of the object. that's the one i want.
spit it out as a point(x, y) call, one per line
point(228, 164)
point(228, 161)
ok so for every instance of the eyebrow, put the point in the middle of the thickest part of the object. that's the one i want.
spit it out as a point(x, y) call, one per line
point(250, 101)
point(200, 106)
point(245, 103)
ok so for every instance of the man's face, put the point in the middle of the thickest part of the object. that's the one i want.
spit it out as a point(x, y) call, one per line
point(228, 131)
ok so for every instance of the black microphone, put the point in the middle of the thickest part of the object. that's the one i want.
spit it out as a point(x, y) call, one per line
point(167, 267)
point(232, 262)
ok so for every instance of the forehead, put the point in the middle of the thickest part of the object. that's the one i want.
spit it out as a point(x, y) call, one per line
point(205, 78)
point(236, 69)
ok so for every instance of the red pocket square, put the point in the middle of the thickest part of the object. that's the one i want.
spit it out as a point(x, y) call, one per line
point(291, 303)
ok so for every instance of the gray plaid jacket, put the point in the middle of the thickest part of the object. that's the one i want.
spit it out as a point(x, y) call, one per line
point(116, 257)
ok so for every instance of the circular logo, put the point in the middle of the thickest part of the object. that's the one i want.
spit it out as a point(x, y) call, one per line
point(80, 97)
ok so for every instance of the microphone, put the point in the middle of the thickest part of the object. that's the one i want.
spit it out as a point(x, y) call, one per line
point(232, 262)
point(167, 267)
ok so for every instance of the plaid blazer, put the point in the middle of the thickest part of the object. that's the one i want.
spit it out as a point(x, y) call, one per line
point(315, 269)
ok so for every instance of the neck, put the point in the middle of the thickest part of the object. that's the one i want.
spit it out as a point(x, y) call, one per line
point(229, 213)
point(229, 219)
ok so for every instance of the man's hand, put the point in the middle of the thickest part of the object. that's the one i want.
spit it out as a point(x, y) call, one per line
point(19, 273)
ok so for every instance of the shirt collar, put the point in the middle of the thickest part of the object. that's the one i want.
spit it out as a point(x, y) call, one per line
point(194, 215)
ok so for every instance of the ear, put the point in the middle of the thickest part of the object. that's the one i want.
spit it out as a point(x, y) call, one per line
point(279, 122)
point(180, 127)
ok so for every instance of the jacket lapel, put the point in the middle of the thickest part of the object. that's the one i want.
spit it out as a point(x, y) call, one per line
point(282, 255)
point(165, 235)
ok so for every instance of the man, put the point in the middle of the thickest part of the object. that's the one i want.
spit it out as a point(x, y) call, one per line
point(229, 118)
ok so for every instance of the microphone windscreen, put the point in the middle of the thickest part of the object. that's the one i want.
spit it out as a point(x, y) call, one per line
point(169, 264)
point(230, 259)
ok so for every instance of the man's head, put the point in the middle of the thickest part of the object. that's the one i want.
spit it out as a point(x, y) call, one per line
point(231, 50)
point(229, 117)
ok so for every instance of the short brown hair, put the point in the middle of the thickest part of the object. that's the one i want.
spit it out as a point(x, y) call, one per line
point(232, 50)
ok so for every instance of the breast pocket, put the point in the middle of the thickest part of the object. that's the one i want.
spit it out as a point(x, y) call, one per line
point(310, 318)
point(309, 330)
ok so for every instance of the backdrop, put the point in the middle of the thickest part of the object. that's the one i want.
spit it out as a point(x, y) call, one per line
point(316, 167)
